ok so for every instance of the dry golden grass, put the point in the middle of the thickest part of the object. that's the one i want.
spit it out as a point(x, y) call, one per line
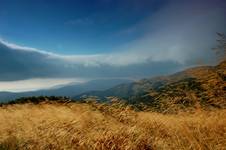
point(98, 126)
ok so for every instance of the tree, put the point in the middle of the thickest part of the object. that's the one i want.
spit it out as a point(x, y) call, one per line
point(220, 50)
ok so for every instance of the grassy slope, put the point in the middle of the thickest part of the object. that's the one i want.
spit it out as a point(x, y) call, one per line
point(195, 87)
point(205, 87)
point(101, 126)
point(61, 124)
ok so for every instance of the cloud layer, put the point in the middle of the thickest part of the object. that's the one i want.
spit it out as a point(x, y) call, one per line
point(35, 84)
point(19, 63)
point(177, 36)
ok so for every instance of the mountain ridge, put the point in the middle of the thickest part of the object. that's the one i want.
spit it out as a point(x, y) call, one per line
point(193, 87)
point(68, 90)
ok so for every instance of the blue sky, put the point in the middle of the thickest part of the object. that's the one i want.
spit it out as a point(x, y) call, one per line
point(74, 26)
point(62, 40)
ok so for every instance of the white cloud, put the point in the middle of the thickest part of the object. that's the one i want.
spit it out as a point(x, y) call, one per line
point(180, 32)
point(177, 35)
point(80, 21)
point(35, 84)
point(23, 48)
point(123, 58)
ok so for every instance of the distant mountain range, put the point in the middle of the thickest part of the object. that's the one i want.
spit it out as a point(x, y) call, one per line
point(69, 90)
point(199, 87)
point(195, 87)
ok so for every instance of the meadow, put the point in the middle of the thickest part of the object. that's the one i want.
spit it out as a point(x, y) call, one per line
point(87, 126)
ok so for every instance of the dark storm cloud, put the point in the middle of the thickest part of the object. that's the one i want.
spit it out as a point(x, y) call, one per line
point(19, 64)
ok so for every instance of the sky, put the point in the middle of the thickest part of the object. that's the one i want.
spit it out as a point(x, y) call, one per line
point(61, 40)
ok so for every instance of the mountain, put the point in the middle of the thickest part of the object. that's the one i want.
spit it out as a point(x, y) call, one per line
point(67, 90)
point(203, 86)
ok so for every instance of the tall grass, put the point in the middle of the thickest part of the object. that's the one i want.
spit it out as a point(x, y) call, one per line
point(103, 127)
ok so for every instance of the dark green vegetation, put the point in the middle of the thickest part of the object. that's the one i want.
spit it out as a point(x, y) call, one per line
point(39, 99)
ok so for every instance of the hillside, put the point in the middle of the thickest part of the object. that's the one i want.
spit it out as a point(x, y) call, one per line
point(195, 87)
point(51, 126)
point(191, 102)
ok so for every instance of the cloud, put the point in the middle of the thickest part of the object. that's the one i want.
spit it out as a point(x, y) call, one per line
point(80, 21)
point(181, 31)
point(21, 63)
point(35, 84)
point(18, 64)
point(176, 36)
point(21, 48)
